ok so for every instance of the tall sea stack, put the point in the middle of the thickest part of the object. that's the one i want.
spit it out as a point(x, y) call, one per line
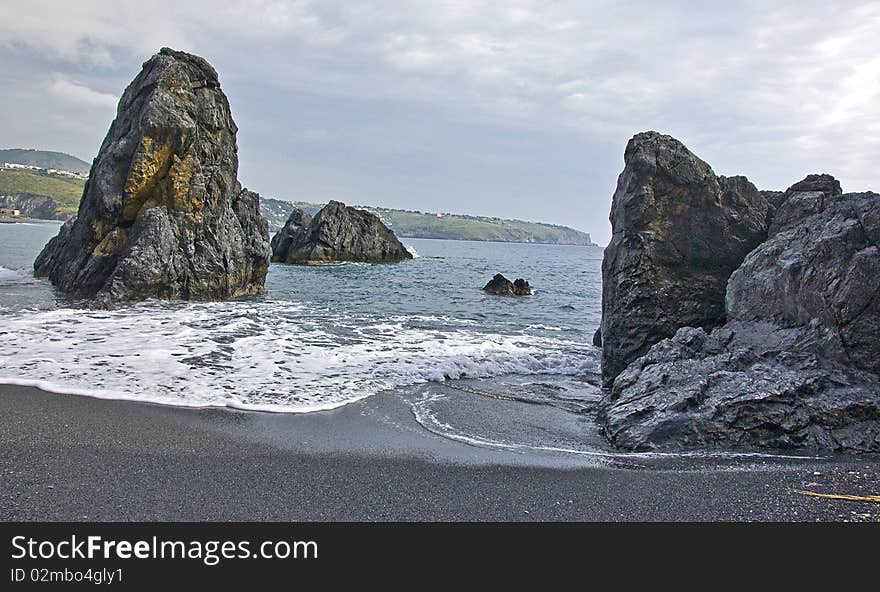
point(678, 232)
point(162, 214)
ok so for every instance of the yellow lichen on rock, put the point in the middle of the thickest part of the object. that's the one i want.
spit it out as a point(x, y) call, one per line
point(142, 187)
point(112, 243)
point(180, 177)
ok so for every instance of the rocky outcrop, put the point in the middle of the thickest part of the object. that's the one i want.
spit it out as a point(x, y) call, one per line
point(678, 232)
point(337, 233)
point(796, 365)
point(501, 286)
point(162, 214)
point(30, 205)
point(283, 240)
point(822, 269)
point(803, 199)
point(745, 385)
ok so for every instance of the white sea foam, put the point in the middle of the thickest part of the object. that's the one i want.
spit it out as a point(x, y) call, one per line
point(15, 277)
point(269, 356)
point(412, 250)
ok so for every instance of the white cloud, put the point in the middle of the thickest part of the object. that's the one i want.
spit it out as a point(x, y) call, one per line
point(771, 92)
point(75, 92)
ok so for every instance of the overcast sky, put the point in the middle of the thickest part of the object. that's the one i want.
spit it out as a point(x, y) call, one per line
point(515, 109)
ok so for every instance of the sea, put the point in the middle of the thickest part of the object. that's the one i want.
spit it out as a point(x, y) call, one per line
point(320, 338)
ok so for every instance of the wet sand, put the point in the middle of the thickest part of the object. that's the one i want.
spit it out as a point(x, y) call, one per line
point(65, 457)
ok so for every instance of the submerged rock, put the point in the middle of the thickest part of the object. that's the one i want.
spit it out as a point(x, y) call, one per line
point(162, 214)
point(678, 232)
point(337, 233)
point(796, 365)
point(501, 286)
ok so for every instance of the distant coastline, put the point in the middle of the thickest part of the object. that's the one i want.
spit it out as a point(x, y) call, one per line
point(444, 226)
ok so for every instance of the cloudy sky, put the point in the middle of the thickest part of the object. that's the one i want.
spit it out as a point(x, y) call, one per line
point(516, 109)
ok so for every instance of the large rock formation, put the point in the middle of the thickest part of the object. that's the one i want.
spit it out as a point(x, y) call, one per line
point(337, 233)
point(162, 214)
point(797, 364)
point(30, 205)
point(678, 232)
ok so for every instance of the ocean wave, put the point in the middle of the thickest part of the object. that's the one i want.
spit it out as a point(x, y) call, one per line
point(267, 356)
point(412, 251)
point(16, 277)
point(429, 418)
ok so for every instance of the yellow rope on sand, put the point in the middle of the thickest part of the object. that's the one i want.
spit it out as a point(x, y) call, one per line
point(839, 496)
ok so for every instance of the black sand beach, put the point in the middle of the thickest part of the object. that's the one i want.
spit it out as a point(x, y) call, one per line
point(75, 458)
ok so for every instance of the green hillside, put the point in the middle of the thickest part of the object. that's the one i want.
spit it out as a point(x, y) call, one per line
point(412, 224)
point(65, 191)
point(45, 159)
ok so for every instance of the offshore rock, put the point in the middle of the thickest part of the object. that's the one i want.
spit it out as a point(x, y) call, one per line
point(337, 233)
point(162, 214)
point(501, 286)
point(678, 232)
point(281, 242)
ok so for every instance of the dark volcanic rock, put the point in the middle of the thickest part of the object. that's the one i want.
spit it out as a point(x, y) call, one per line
point(822, 269)
point(31, 205)
point(501, 286)
point(337, 233)
point(678, 232)
point(298, 221)
point(774, 198)
point(803, 199)
point(162, 214)
point(521, 288)
point(796, 365)
point(747, 384)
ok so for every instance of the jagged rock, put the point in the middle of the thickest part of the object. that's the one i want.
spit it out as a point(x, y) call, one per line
point(822, 268)
point(797, 363)
point(162, 214)
point(678, 232)
point(747, 384)
point(501, 286)
point(296, 222)
point(774, 198)
point(337, 233)
point(597, 337)
point(803, 199)
point(521, 288)
point(30, 205)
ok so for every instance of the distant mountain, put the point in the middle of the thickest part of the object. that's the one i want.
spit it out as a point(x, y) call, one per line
point(414, 224)
point(44, 159)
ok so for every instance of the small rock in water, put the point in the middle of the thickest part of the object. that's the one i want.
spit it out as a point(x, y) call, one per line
point(501, 286)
